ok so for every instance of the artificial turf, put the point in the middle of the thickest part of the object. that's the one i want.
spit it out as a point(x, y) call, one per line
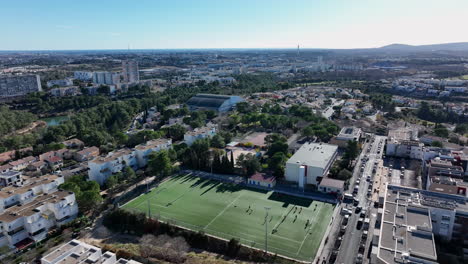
point(295, 225)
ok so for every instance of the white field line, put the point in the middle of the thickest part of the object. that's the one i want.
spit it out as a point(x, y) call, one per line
point(302, 244)
point(224, 210)
point(163, 181)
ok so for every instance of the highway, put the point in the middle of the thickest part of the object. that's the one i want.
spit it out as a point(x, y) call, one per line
point(351, 240)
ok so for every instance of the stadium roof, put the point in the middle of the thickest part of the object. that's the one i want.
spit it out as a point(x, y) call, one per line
point(207, 100)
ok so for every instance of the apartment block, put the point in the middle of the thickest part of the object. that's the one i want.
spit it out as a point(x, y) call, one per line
point(142, 151)
point(130, 71)
point(410, 218)
point(28, 212)
point(12, 86)
point(107, 78)
point(63, 82)
point(199, 133)
point(75, 252)
point(101, 168)
point(83, 75)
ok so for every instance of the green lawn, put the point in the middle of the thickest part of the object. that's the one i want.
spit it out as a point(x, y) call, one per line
point(223, 210)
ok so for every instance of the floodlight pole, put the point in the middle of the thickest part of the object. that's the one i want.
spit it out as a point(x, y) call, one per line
point(266, 228)
point(147, 198)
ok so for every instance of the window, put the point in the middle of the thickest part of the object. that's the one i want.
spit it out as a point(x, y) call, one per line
point(445, 218)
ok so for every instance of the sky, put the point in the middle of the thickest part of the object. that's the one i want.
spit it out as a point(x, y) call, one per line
point(203, 24)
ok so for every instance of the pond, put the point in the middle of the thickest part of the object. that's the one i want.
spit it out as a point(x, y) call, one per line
point(56, 120)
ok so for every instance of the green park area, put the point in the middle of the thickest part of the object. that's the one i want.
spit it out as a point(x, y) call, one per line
point(295, 226)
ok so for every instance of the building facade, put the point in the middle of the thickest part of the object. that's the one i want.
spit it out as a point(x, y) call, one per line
point(107, 78)
point(75, 252)
point(29, 211)
point(199, 133)
point(12, 86)
point(142, 151)
point(310, 163)
point(130, 71)
point(83, 75)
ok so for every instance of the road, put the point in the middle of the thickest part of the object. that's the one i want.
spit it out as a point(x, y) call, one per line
point(328, 112)
point(351, 240)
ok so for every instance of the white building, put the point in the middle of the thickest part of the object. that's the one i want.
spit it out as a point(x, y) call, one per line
point(130, 71)
point(310, 163)
point(83, 75)
point(63, 82)
point(108, 78)
point(142, 151)
point(409, 220)
point(199, 133)
point(31, 210)
point(75, 252)
point(101, 168)
point(9, 178)
point(349, 133)
point(331, 186)
point(404, 143)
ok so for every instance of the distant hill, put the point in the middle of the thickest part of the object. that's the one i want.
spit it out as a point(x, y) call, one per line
point(458, 46)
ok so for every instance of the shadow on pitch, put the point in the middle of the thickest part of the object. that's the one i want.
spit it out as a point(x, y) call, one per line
point(287, 200)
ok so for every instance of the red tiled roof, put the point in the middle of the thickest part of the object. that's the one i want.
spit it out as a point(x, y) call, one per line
point(54, 159)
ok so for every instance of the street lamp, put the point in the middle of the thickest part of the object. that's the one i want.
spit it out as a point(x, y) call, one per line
point(266, 229)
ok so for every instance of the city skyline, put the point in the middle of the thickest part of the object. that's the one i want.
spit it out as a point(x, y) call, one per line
point(84, 25)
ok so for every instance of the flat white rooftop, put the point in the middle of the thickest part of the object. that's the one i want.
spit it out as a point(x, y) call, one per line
point(314, 154)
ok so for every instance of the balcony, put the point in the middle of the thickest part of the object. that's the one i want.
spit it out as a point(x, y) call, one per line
point(13, 232)
point(38, 232)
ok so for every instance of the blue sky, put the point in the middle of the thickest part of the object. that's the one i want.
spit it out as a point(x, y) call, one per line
point(174, 24)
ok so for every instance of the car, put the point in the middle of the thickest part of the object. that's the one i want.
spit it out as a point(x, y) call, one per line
point(356, 189)
point(355, 202)
point(364, 235)
point(366, 224)
point(359, 223)
point(358, 209)
point(345, 212)
point(368, 178)
point(345, 220)
point(358, 182)
point(359, 259)
point(363, 213)
point(342, 230)
point(348, 197)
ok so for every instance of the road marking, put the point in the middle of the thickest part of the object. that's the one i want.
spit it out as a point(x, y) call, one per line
point(224, 210)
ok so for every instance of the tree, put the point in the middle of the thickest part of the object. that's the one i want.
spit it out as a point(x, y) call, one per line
point(129, 174)
point(176, 132)
point(461, 129)
point(276, 163)
point(159, 163)
point(112, 181)
point(249, 163)
point(89, 200)
point(352, 150)
point(344, 175)
point(441, 132)
point(217, 141)
point(437, 144)
point(87, 193)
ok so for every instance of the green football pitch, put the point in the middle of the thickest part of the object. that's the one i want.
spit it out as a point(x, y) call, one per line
point(295, 225)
